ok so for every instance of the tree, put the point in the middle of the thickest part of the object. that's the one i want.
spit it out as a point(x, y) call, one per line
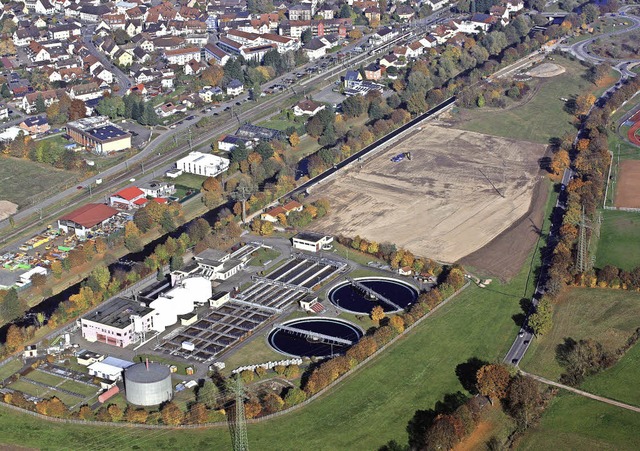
point(307, 35)
point(143, 220)
point(171, 414)
point(132, 237)
point(583, 104)
point(10, 307)
point(345, 12)
point(239, 153)
point(524, 401)
point(397, 323)
point(213, 75)
point(294, 140)
point(294, 396)
point(15, 338)
point(377, 314)
point(493, 381)
point(264, 149)
point(77, 110)
point(197, 414)
point(590, 12)
point(542, 320)
point(207, 394)
point(115, 412)
point(40, 105)
point(5, 91)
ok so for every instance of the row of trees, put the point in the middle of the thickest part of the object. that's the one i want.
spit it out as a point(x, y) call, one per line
point(590, 157)
point(396, 258)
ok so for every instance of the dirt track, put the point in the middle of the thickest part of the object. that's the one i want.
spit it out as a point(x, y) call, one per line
point(460, 191)
point(627, 194)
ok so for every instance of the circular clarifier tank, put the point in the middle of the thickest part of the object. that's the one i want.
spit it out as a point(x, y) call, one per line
point(362, 294)
point(314, 337)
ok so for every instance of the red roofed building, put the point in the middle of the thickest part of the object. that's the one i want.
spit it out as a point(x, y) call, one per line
point(272, 215)
point(86, 219)
point(128, 198)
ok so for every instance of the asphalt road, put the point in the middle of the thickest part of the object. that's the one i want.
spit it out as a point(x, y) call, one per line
point(124, 81)
point(580, 50)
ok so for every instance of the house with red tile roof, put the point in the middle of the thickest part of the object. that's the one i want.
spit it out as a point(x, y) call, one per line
point(128, 198)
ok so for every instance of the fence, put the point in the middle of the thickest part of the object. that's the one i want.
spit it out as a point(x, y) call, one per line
point(322, 392)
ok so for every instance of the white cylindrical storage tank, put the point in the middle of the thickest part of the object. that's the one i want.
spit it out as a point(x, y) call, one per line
point(148, 384)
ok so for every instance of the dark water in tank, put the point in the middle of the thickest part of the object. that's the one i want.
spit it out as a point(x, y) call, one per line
point(287, 343)
point(348, 297)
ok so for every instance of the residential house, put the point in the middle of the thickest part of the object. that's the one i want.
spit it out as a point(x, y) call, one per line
point(86, 91)
point(228, 142)
point(384, 34)
point(316, 48)
point(169, 109)
point(123, 58)
point(272, 214)
point(209, 93)
point(194, 67)
point(300, 12)
point(213, 52)
point(373, 72)
point(182, 56)
point(28, 104)
point(35, 125)
point(307, 108)
point(157, 189)
point(235, 88)
point(352, 78)
point(4, 112)
point(128, 198)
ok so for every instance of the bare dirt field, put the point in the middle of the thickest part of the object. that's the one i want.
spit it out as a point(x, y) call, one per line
point(460, 191)
point(628, 189)
point(7, 209)
point(546, 70)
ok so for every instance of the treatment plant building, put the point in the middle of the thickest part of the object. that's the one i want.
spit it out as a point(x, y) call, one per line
point(148, 384)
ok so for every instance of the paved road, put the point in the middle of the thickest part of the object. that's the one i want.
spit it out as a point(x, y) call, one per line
point(581, 49)
point(582, 392)
point(124, 81)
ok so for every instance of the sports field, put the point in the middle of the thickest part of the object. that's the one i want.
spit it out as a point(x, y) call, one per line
point(619, 243)
point(22, 181)
point(608, 316)
point(542, 117)
point(573, 422)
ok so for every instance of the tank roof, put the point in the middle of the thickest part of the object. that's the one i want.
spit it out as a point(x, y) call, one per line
point(140, 373)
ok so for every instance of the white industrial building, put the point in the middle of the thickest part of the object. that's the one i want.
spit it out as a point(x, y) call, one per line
point(180, 300)
point(204, 164)
point(110, 368)
point(311, 242)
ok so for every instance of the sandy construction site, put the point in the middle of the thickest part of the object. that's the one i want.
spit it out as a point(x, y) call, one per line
point(459, 191)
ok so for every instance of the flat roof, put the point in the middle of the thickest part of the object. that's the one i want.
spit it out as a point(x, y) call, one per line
point(107, 132)
point(118, 313)
point(309, 236)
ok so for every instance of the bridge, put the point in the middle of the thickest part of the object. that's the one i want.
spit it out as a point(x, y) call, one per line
point(315, 335)
point(373, 294)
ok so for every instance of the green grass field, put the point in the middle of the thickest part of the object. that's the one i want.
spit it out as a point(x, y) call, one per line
point(10, 368)
point(261, 256)
point(620, 381)
point(573, 422)
point(619, 242)
point(608, 316)
point(543, 117)
point(189, 180)
point(23, 181)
